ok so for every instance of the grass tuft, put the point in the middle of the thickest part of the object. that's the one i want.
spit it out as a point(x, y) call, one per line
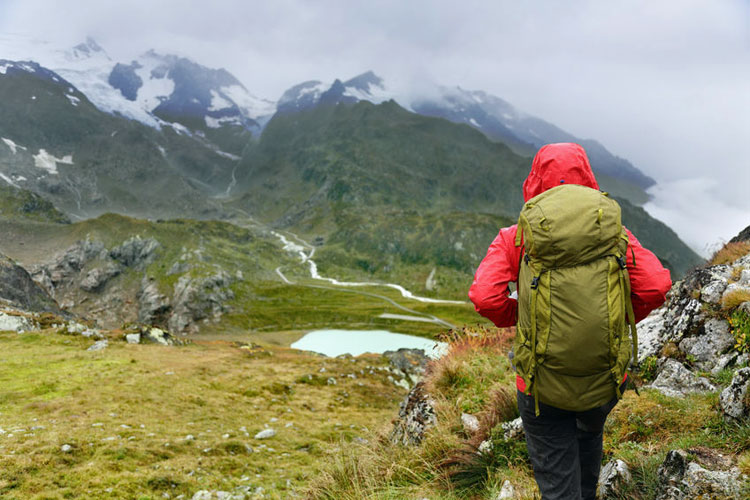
point(729, 253)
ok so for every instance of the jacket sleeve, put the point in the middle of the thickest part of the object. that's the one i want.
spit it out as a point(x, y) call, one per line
point(489, 292)
point(649, 280)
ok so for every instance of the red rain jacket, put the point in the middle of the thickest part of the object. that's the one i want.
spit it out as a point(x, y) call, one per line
point(555, 164)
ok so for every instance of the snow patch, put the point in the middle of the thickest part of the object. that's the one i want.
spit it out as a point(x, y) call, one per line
point(48, 162)
point(154, 89)
point(508, 116)
point(218, 102)
point(73, 99)
point(250, 105)
point(4, 68)
point(12, 145)
point(179, 128)
point(473, 122)
point(374, 93)
point(224, 120)
point(9, 181)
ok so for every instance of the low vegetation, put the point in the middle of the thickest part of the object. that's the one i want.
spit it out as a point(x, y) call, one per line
point(149, 421)
point(475, 377)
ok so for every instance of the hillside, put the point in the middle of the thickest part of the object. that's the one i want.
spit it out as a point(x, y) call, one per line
point(319, 170)
point(687, 435)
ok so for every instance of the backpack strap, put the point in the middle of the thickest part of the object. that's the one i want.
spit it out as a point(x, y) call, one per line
point(534, 383)
point(628, 303)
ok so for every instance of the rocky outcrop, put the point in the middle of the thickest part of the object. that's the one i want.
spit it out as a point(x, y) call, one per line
point(676, 380)
point(680, 478)
point(18, 289)
point(416, 415)
point(135, 252)
point(66, 267)
point(197, 299)
point(734, 400)
point(612, 478)
point(409, 363)
point(690, 333)
point(96, 278)
point(153, 306)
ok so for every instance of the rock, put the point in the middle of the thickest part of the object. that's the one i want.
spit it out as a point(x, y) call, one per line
point(506, 492)
point(196, 299)
point(135, 252)
point(98, 345)
point(708, 346)
point(612, 478)
point(470, 423)
point(681, 479)
point(331, 381)
point(158, 336)
point(745, 307)
point(485, 447)
point(13, 323)
point(66, 448)
point(711, 293)
point(98, 277)
point(744, 277)
point(265, 434)
point(513, 429)
point(733, 401)
point(650, 334)
point(133, 338)
point(671, 472)
point(416, 415)
point(153, 306)
point(18, 289)
point(675, 380)
point(410, 362)
point(65, 268)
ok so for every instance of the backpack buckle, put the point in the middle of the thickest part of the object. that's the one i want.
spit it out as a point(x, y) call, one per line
point(621, 262)
point(535, 283)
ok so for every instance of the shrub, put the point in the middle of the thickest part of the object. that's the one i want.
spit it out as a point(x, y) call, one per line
point(739, 322)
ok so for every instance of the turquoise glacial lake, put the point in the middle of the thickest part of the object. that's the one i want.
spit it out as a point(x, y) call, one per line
point(355, 342)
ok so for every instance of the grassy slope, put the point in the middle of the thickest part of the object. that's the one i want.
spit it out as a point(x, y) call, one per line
point(475, 377)
point(126, 411)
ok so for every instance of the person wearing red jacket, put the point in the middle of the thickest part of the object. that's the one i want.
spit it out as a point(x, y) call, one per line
point(565, 447)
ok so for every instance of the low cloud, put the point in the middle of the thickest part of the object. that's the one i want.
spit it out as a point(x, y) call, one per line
point(698, 210)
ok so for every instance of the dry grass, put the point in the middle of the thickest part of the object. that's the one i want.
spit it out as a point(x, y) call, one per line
point(733, 299)
point(729, 253)
point(145, 420)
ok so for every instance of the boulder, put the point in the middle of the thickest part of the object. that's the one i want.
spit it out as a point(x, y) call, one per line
point(410, 362)
point(135, 252)
point(14, 323)
point(734, 401)
point(18, 289)
point(612, 478)
point(96, 278)
point(416, 415)
point(197, 299)
point(470, 423)
point(98, 345)
point(133, 338)
point(157, 336)
point(651, 334)
point(513, 429)
point(153, 306)
point(675, 380)
point(265, 434)
point(506, 492)
point(714, 340)
point(680, 478)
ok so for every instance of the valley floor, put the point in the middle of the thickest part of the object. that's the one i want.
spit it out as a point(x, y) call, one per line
point(149, 421)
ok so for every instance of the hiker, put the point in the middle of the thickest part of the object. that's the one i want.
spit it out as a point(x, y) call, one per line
point(582, 281)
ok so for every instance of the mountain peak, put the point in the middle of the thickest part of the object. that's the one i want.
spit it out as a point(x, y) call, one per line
point(364, 81)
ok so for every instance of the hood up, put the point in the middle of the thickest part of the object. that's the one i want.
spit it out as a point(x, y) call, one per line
point(556, 164)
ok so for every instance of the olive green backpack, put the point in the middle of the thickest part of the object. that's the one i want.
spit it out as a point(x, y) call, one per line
point(572, 346)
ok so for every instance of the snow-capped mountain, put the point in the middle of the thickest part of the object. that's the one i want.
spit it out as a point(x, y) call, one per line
point(493, 116)
point(365, 87)
point(154, 89)
point(177, 89)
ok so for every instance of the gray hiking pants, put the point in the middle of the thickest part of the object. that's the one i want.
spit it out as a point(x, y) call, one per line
point(565, 448)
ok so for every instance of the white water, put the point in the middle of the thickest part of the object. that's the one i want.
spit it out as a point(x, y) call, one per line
point(300, 250)
point(356, 342)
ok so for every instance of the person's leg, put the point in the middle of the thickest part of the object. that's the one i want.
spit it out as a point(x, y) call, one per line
point(589, 434)
point(553, 449)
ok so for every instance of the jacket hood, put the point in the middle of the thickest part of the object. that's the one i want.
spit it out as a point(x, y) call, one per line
point(555, 164)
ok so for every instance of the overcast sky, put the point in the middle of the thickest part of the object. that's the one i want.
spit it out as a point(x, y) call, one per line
point(665, 84)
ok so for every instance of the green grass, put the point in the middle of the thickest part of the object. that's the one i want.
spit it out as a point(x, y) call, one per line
point(127, 411)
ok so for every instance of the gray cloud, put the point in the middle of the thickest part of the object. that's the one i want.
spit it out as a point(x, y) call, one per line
point(664, 84)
